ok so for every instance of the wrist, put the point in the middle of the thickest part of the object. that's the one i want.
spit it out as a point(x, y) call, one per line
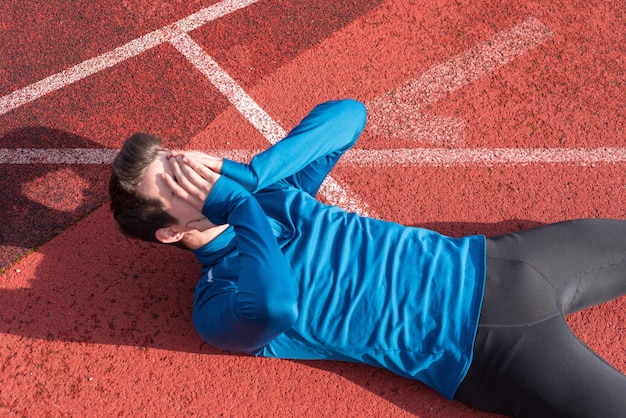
point(240, 172)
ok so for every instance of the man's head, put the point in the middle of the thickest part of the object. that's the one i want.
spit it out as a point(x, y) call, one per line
point(145, 206)
point(137, 215)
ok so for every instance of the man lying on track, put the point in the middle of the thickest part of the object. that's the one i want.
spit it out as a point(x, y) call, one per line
point(477, 319)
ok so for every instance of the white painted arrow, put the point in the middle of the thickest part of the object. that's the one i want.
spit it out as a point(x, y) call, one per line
point(397, 114)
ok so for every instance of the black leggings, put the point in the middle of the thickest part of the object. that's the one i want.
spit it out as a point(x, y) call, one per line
point(527, 362)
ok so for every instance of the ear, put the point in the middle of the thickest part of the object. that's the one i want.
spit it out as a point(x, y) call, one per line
point(169, 235)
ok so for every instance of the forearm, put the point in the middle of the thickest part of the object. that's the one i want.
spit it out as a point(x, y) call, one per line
point(329, 130)
point(252, 297)
point(266, 293)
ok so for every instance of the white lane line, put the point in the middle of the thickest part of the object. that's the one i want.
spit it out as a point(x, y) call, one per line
point(109, 59)
point(272, 131)
point(438, 157)
point(445, 157)
point(78, 72)
point(176, 34)
point(56, 156)
point(213, 12)
point(397, 114)
point(235, 94)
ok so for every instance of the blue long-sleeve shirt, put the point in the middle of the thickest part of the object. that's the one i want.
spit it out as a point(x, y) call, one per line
point(295, 278)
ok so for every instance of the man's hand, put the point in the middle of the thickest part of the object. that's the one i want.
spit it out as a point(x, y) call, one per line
point(192, 180)
point(209, 161)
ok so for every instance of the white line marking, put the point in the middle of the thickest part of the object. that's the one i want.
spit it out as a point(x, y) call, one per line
point(64, 78)
point(109, 59)
point(235, 94)
point(438, 157)
point(208, 14)
point(444, 157)
point(176, 34)
point(428, 88)
point(56, 156)
point(397, 114)
point(272, 131)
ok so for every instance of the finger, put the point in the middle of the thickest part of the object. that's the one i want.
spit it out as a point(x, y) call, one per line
point(195, 173)
point(213, 163)
point(173, 185)
point(179, 174)
point(180, 192)
point(201, 169)
point(195, 187)
point(194, 154)
point(190, 180)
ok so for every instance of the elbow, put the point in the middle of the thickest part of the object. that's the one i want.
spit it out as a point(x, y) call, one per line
point(282, 303)
point(280, 310)
point(275, 308)
point(242, 333)
point(358, 110)
point(279, 305)
point(354, 113)
point(284, 316)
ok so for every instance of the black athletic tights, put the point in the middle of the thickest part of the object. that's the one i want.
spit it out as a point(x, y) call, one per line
point(527, 361)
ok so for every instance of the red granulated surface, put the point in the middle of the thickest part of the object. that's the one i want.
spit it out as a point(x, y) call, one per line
point(94, 324)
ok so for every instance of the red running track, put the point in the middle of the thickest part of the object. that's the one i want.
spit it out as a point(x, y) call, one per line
point(93, 324)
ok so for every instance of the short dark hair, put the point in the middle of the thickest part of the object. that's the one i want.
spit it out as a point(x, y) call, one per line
point(137, 216)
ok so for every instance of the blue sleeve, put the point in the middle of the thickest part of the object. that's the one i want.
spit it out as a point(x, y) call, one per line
point(244, 313)
point(308, 153)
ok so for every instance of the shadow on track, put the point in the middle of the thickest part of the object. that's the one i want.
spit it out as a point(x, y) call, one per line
point(40, 200)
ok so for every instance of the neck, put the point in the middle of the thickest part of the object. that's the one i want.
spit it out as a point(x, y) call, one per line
point(196, 239)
